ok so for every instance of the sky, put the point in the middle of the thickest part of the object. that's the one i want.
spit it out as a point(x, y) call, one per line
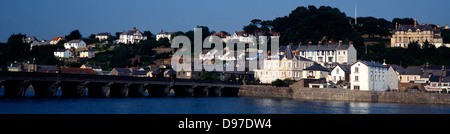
point(47, 19)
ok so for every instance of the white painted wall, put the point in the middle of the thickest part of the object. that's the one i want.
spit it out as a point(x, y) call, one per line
point(337, 74)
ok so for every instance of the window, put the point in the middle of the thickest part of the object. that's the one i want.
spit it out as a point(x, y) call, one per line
point(356, 69)
point(355, 87)
point(289, 65)
point(334, 78)
point(310, 73)
point(356, 78)
point(320, 59)
point(337, 71)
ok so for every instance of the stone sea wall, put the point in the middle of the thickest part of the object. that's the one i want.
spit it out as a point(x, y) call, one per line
point(298, 92)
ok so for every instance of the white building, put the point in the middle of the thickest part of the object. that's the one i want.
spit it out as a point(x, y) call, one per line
point(326, 55)
point(163, 34)
point(55, 40)
point(340, 73)
point(403, 35)
point(368, 76)
point(63, 53)
point(75, 44)
point(102, 36)
point(131, 37)
point(282, 67)
point(87, 54)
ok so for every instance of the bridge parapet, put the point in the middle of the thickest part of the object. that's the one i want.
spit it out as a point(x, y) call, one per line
point(76, 85)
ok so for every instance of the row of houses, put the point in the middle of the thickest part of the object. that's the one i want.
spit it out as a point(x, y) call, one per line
point(66, 53)
point(341, 69)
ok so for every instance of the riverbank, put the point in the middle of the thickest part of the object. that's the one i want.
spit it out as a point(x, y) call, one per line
point(337, 94)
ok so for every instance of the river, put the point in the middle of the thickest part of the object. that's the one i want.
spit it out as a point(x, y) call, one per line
point(204, 105)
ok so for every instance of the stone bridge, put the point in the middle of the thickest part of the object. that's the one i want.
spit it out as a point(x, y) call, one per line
point(75, 85)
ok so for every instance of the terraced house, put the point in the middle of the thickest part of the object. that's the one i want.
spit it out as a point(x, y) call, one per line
point(326, 55)
point(287, 66)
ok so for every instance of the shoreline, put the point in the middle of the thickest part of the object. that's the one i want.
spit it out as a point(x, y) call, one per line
point(336, 94)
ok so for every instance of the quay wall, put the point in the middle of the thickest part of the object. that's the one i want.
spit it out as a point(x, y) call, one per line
point(337, 94)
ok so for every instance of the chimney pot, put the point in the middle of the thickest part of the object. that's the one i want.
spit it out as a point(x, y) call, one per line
point(134, 28)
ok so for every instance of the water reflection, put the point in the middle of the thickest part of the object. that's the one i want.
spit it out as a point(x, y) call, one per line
point(359, 107)
point(203, 105)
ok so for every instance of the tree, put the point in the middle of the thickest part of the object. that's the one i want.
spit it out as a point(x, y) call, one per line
point(402, 21)
point(148, 34)
point(75, 34)
point(14, 50)
point(278, 83)
point(209, 76)
point(118, 34)
point(120, 57)
point(306, 24)
point(250, 29)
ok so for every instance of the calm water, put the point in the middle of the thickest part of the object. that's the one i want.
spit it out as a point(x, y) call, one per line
point(204, 105)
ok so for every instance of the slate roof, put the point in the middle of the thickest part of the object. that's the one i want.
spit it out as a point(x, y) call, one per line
point(93, 67)
point(433, 72)
point(345, 68)
point(75, 41)
point(413, 70)
point(122, 70)
point(303, 59)
point(317, 47)
point(371, 63)
point(317, 67)
point(398, 68)
point(103, 34)
point(288, 53)
point(420, 27)
point(129, 32)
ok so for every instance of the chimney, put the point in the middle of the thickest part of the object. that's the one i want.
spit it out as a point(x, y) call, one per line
point(309, 43)
point(320, 42)
point(415, 22)
point(340, 42)
point(350, 43)
point(299, 44)
point(396, 25)
point(440, 79)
